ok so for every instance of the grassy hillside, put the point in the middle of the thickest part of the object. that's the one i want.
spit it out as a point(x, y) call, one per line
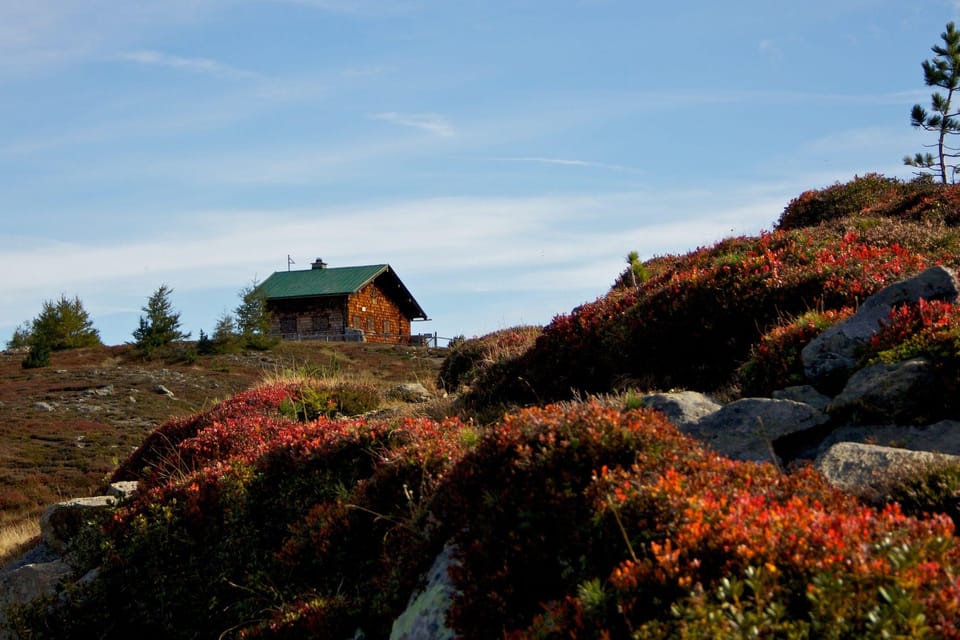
point(693, 320)
point(99, 404)
point(262, 517)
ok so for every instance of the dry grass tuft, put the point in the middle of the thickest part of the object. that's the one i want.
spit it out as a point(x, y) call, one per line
point(16, 538)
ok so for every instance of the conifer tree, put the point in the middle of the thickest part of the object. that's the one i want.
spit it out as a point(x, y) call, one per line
point(65, 324)
point(253, 318)
point(161, 326)
point(942, 71)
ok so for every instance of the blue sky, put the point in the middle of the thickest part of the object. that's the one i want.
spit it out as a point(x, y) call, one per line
point(502, 156)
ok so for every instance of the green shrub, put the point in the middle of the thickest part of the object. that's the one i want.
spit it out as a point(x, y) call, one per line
point(855, 197)
point(39, 354)
point(322, 398)
point(933, 488)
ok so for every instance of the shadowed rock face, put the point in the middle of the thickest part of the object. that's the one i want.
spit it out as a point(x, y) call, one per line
point(905, 393)
point(858, 467)
point(830, 357)
point(747, 429)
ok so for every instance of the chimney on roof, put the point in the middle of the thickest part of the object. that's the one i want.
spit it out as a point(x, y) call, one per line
point(319, 264)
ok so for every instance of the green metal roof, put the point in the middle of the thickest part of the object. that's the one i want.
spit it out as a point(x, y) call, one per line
point(339, 281)
point(319, 282)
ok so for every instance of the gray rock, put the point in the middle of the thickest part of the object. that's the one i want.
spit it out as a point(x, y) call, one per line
point(748, 429)
point(805, 394)
point(411, 392)
point(101, 392)
point(941, 437)
point(27, 580)
point(682, 408)
point(123, 489)
point(162, 390)
point(907, 392)
point(43, 406)
point(32, 580)
point(869, 468)
point(61, 522)
point(830, 357)
point(89, 408)
point(426, 615)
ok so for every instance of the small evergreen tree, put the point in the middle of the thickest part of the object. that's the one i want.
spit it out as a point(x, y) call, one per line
point(205, 346)
point(20, 337)
point(39, 355)
point(638, 271)
point(225, 338)
point(161, 326)
point(944, 72)
point(65, 324)
point(253, 318)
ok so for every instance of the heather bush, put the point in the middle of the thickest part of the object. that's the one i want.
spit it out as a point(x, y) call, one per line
point(570, 521)
point(468, 359)
point(858, 196)
point(696, 319)
point(230, 531)
point(926, 489)
point(929, 328)
point(774, 361)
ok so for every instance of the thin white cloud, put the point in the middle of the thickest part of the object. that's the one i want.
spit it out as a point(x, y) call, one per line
point(45, 33)
point(430, 122)
point(545, 248)
point(364, 72)
point(480, 236)
point(770, 49)
point(204, 66)
point(569, 162)
point(364, 8)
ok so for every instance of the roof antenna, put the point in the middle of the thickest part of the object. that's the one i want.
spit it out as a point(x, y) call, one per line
point(289, 262)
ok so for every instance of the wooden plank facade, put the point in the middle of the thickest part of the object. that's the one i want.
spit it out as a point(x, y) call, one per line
point(347, 303)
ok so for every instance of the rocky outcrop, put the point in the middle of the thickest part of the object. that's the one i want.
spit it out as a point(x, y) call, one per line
point(62, 522)
point(942, 437)
point(749, 429)
point(804, 393)
point(833, 355)
point(426, 615)
point(39, 573)
point(907, 392)
point(862, 468)
point(410, 392)
point(44, 568)
point(682, 408)
point(872, 422)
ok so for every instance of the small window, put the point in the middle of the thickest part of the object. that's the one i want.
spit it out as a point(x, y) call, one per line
point(373, 293)
point(288, 325)
point(371, 325)
point(355, 322)
point(387, 329)
point(321, 323)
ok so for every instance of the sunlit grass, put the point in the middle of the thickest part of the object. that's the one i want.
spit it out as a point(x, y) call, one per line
point(15, 538)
